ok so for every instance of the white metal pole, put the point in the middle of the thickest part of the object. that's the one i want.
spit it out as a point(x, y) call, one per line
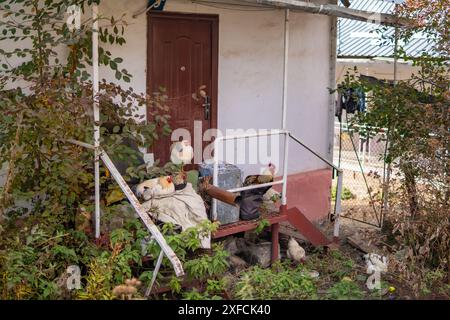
point(338, 204)
point(155, 273)
point(256, 186)
point(332, 85)
point(285, 67)
point(95, 89)
point(285, 169)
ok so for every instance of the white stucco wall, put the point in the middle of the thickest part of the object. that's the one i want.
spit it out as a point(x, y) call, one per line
point(251, 70)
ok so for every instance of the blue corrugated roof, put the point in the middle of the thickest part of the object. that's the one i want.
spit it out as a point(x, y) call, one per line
point(360, 39)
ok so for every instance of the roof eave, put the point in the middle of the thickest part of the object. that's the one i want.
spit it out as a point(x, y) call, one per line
point(335, 10)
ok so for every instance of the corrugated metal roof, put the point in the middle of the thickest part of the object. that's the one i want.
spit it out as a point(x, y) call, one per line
point(361, 39)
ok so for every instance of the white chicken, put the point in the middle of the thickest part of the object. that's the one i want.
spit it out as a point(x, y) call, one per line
point(270, 170)
point(155, 187)
point(295, 252)
point(181, 152)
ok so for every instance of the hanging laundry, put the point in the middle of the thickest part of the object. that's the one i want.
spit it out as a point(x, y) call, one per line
point(352, 100)
point(361, 99)
point(338, 110)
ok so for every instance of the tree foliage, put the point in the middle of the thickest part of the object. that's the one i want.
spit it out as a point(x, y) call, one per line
point(46, 99)
point(415, 113)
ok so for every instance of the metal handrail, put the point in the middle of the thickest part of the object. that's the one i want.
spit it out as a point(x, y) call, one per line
point(283, 181)
point(313, 152)
point(340, 173)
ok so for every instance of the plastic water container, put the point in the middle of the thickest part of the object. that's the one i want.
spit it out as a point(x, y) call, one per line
point(230, 177)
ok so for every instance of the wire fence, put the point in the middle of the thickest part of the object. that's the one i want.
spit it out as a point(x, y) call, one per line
point(361, 158)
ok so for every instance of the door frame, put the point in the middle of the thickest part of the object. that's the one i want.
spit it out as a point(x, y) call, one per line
point(214, 19)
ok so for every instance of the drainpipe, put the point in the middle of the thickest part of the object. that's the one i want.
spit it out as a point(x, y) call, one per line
point(332, 84)
point(285, 68)
point(95, 89)
point(331, 116)
point(284, 106)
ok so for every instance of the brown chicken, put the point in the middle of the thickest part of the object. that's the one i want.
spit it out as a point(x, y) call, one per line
point(266, 177)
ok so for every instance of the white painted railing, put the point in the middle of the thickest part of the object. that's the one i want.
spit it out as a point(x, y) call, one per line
point(283, 181)
point(247, 136)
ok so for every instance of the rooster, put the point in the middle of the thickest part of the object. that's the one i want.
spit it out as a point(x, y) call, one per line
point(155, 187)
point(295, 252)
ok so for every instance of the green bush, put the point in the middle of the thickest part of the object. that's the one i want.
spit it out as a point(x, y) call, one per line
point(279, 282)
point(346, 194)
point(345, 289)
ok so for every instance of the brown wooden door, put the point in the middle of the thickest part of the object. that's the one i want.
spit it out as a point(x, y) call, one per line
point(182, 57)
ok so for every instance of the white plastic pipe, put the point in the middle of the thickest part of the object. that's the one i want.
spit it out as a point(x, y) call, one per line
point(256, 186)
point(285, 68)
point(95, 89)
point(285, 169)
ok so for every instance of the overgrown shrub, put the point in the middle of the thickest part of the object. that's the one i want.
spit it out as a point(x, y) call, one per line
point(415, 113)
point(346, 194)
point(46, 99)
point(278, 282)
point(346, 289)
point(46, 204)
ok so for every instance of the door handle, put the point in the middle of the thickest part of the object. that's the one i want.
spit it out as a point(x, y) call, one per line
point(207, 107)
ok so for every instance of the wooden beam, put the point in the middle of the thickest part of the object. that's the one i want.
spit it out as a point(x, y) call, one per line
point(336, 11)
point(242, 226)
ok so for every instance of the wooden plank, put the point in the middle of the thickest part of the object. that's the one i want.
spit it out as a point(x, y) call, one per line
point(287, 229)
point(152, 228)
point(242, 226)
point(307, 228)
point(176, 263)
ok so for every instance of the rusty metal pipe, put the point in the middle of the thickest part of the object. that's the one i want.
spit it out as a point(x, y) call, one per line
point(223, 195)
